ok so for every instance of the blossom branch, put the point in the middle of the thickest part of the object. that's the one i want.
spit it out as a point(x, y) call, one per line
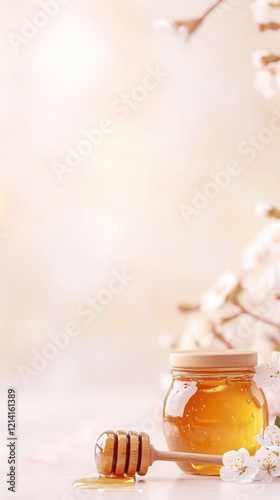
point(255, 315)
point(193, 24)
point(188, 308)
point(266, 60)
point(230, 318)
point(220, 336)
point(269, 26)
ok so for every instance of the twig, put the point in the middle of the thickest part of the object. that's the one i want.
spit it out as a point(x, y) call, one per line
point(220, 337)
point(230, 318)
point(269, 26)
point(193, 24)
point(212, 7)
point(274, 212)
point(255, 315)
point(272, 58)
point(188, 308)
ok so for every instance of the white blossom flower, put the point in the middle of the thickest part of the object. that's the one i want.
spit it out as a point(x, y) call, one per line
point(254, 255)
point(268, 464)
point(160, 24)
point(272, 395)
point(277, 76)
point(270, 438)
point(268, 374)
point(271, 233)
point(261, 12)
point(217, 295)
point(198, 333)
point(265, 249)
point(266, 11)
point(265, 82)
point(259, 284)
point(237, 467)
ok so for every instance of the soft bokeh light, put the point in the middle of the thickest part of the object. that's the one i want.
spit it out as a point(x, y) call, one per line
point(120, 206)
point(63, 239)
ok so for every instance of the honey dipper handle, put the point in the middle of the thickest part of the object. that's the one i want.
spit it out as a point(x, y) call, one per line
point(183, 457)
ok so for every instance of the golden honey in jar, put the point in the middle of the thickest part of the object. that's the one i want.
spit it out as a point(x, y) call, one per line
point(213, 405)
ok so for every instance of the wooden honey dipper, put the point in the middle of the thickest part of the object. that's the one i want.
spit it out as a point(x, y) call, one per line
point(129, 453)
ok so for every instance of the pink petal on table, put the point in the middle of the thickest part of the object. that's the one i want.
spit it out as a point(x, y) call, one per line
point(45, 457)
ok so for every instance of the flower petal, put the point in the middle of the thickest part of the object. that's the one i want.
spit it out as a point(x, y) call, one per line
point(276, 471)
point(226, 474)
point(243, 454)
point(228, 457)
point(276, 356)
point(264, 477)
point(260, 439)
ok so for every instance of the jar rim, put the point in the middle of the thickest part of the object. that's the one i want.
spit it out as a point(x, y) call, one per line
point(223, 358)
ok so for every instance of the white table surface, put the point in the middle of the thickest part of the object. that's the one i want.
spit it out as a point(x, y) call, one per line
point(56, 437)
point(162, 482)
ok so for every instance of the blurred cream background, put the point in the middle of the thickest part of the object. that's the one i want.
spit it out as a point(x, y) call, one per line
point(61, 241)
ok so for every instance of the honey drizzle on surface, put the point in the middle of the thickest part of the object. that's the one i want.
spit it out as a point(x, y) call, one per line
point(102, 482)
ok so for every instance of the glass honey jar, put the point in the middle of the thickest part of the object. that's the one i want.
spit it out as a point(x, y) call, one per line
point(213, 405)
